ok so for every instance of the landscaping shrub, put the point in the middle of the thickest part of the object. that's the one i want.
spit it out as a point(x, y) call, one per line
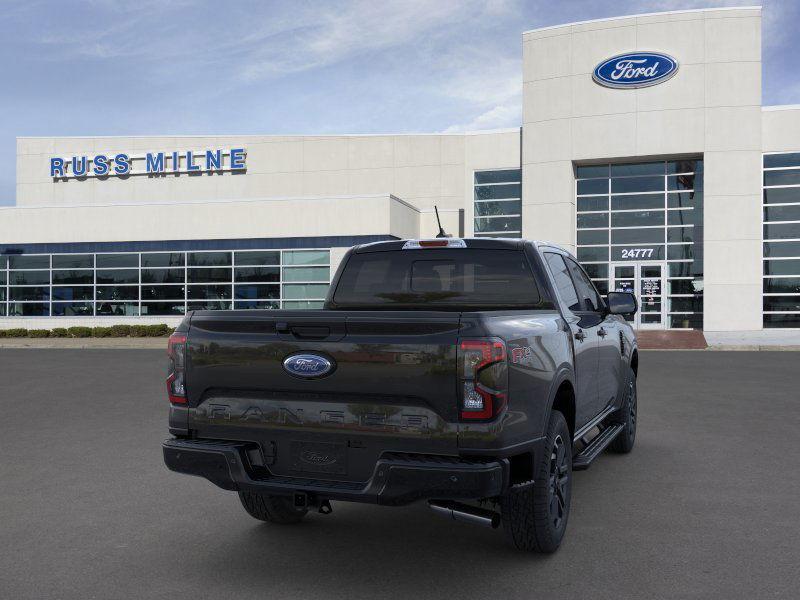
point(101, 332)
point(17, 332)
point(38, 333)
point(59, 332)
point(120, 330)
point(80, 332)
point(138, 330)
point(161, 330)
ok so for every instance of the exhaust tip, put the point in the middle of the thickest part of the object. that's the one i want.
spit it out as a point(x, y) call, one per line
point(458, 511)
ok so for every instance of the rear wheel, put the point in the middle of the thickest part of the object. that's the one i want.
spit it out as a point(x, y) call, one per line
point(275, 509)
point(535, 517)
point(623, 443)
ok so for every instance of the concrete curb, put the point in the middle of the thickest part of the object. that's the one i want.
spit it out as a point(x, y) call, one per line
point(85, 343)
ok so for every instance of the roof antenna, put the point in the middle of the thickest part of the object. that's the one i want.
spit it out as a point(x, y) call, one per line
point(441, 233)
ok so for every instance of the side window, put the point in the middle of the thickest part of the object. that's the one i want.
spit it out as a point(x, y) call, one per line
point(586, 291)
point(564, 286)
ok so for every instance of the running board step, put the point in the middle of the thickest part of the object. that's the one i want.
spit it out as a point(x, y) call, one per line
point(583, 460)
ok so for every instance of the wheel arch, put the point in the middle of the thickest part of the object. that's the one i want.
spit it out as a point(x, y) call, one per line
point(563, 400)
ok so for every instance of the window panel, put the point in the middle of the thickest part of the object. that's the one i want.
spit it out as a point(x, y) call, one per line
point(3, 309)
point(789, 159)
point(117, 292)
point(684, 217)
point(210, 305)
point(307, 291)
point(592, 220)
point(596, 254)
point(73, 261)
point(257, 274)
point(29, 293)
point(209, 275)
point(29, 277)
point(782, 303)
point(592, 186)
point(782, 249)
point(499, 176)
point(592, 203)
point(684, 182)
point(28, 309)
point(637, 236)
point(684, 166)
point(118, 276)
point(680, 252)
point(2, 294)
point(253, 292)
point(163, 276)
point(117, 309)
point(498, 192)
point(114, 261)
point(29, 261)
point(162, 292)
point(637, 201)
point(637, 184)
point(637, 219)
point(782, 195)
point(163, 259)
point(686, 321)
point(782, 213)
point(685, 199)
point(782, 285)
point(306, 257)
point(681, 269)
point(65, 277)
point(777, 321)
point(564, 284)
point(84, 292)
point(590, 299)
point(680, 234)
point(303, 305)
point(488, 209)
point(788, 177)
point(782, 267)
point(782, 231)
point(162, 308)
point(307, 274)
point(587, 171)
point(501, 224)
point(684, 286)
point(72, 309)
point(2, 277)
point(648, 168)
point(209, 259)
point(257, 258)
point(209, 292)
point(593, 236)
point(694, 304)
point(256, 305)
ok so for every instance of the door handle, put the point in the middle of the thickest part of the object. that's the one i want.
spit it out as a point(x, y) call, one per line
point(580, 335)
point(602, 332)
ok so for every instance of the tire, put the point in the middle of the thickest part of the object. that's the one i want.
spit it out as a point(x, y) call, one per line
point(535, 517)
point(275, 509)
point(623, 443)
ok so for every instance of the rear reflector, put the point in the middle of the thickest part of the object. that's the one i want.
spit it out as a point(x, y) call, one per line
point(437, 243)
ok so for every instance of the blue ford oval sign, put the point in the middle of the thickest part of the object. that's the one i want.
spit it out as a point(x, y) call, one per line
point(307, 365)
point(635, 70)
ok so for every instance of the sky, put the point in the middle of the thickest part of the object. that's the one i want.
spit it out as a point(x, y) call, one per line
point(175, 67)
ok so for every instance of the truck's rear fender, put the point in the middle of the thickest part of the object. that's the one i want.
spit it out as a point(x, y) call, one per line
point(538, 355)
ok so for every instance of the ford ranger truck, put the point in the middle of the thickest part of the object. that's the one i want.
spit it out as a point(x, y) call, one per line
point(473, 374)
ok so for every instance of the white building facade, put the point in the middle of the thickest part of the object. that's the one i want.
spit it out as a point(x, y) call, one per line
point(672, 181)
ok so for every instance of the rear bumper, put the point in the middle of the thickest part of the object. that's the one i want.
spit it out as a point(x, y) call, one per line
point(397, 479)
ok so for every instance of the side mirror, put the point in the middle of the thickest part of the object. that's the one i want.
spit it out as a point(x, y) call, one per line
point(621, 303)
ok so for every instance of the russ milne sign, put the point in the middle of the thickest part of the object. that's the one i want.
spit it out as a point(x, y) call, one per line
point(635, 70)
point(151, 163)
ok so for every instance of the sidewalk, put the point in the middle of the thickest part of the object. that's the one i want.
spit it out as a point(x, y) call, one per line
point(80, 343)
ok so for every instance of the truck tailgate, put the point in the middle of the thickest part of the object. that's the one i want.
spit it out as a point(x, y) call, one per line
point(393, 387)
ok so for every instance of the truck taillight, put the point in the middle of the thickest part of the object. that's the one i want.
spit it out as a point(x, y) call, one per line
point(176, 380)
point(484, 378)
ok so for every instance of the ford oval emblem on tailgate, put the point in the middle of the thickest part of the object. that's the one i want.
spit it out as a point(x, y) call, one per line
point(307, 366)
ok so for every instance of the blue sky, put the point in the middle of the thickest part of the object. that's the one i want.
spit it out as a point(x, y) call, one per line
point(151, 67)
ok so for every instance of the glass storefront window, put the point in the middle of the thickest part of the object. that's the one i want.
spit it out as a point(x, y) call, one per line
point(645, 212)
point(498, 203)
point(161, 283)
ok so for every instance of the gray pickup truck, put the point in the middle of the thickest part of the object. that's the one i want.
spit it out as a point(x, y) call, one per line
point(474, 374)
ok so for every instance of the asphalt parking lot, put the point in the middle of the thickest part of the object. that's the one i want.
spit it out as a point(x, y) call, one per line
point(707, 505)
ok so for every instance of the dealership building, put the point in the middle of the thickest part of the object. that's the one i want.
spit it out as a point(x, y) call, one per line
point(644, 148)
